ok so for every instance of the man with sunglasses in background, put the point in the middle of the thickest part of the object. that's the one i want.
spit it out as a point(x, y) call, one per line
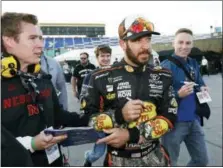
point(80, 72)
point(138, 99)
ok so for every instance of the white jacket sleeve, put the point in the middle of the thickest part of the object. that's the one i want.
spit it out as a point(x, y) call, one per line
point(26, 142)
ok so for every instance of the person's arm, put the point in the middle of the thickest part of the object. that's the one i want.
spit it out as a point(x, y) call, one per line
point(74, 85)
point(61, 118)
point(117, 137)
point(84, 89)
point(163, 122)
point(40, 141)
point(167, 114)
point(91, 104)
point(169, 106)
point(167, 64)
point(61, 86)
point(13, 153)
point(65, 118)
point(74, 79)
point(90, 97)
point(128, 110)
point(26, 142)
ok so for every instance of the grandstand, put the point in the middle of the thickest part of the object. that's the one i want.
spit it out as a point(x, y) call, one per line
point(71, 29)
point(60, 38)
point(60, 45)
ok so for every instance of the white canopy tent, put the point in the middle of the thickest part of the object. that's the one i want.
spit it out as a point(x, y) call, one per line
point(117, 52)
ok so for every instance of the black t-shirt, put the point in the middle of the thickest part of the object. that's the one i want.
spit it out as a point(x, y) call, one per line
point(80, 72)
point(115, 62)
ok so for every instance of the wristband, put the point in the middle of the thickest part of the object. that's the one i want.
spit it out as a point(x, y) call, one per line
point(134, 135)
point(33, 144)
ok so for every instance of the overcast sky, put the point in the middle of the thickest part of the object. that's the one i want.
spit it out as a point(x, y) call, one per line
point(167, 16)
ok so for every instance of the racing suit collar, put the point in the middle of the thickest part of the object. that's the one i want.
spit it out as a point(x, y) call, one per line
point(130, 68)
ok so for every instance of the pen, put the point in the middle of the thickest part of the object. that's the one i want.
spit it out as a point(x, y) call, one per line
point(128, 98)
point(185, 82)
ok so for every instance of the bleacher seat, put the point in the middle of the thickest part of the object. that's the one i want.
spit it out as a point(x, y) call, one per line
point(59, 43)
point(79, 46)
point(87, 40)
point(49, 43)
point(88, 43)
point(88, 46)
point(95, 39)
point(69, 42)
point(78, 40)
point(78, 43)
point(105, 40)
point(96, 43)
point(113, 41)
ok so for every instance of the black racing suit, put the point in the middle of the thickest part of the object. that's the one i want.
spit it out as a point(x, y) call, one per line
point(114, 85)
point(22, 116)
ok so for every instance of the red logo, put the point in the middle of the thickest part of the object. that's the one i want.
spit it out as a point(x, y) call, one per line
point(32, 109)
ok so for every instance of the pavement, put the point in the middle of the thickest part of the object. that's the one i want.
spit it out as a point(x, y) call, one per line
point(212, 129)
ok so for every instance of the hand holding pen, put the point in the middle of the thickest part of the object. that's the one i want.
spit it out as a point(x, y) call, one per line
point(132, 109)
point(186, 89)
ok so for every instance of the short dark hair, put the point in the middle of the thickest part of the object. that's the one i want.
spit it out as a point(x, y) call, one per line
point(184, 30)
point(103, 49)
point(11, 23)
point(85, 54)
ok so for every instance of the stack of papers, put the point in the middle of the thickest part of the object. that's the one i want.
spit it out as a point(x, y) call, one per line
point(76, 135)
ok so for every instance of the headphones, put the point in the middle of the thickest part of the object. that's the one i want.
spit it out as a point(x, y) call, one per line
point(10, 66)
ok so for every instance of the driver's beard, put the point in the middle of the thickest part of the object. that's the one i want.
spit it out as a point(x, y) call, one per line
point(133, 58)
